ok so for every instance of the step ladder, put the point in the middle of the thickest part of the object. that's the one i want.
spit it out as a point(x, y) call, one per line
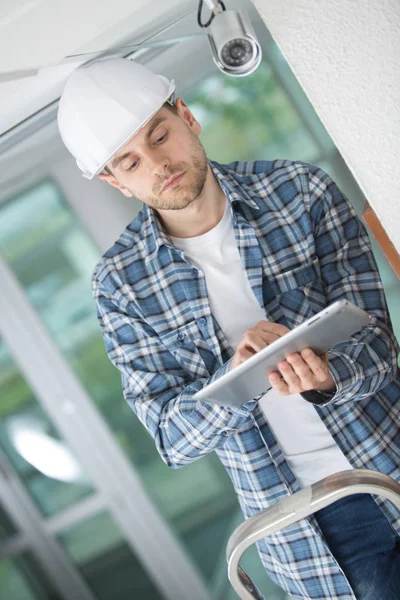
point(296, 507)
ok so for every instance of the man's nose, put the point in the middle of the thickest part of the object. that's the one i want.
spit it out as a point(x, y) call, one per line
point(158, 161)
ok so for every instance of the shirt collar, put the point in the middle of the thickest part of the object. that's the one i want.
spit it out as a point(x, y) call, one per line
point(233, 190)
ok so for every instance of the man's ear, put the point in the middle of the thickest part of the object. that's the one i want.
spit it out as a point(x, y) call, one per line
point(115, 183)
point(187, 116)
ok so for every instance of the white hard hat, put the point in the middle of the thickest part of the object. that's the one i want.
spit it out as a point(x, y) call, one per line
point(104, 104)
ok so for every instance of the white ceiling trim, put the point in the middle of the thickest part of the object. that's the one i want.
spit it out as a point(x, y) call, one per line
point(50, 30)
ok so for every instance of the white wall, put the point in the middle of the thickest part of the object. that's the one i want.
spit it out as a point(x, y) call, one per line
point(345, 54)
point(101, 208)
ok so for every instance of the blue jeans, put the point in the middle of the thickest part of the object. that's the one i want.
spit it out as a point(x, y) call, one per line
point(365, 546)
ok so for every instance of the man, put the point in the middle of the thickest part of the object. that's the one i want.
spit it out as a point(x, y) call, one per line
point(221, 261)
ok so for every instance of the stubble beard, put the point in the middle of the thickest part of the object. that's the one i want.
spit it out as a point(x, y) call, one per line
point(195, 171)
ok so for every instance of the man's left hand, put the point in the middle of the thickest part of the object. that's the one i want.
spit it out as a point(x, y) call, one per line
point(301, 373)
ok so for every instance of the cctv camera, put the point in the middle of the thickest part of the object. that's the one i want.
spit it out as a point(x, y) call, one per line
point(236, 50)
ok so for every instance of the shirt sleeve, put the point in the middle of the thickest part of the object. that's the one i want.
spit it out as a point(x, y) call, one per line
point(160, 392)
point(367, 362)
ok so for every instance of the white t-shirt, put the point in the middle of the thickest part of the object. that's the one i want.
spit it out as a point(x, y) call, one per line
point(306, 443)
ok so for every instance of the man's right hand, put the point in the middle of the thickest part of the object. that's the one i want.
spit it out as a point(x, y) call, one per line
point(257, 338)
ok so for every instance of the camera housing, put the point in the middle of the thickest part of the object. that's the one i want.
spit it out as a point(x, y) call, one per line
point(236, 50)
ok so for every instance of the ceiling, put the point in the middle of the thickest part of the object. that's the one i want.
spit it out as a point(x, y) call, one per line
point(41, 33)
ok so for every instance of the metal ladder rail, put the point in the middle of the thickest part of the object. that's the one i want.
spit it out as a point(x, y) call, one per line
point(296, 507)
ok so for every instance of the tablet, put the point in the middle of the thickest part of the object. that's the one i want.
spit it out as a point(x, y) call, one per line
point(334, 324)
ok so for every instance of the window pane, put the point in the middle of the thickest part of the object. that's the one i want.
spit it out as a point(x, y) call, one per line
point(22, 579)
point(7, 528)
point(46, 466)
point(97, 548)
point(249, 118)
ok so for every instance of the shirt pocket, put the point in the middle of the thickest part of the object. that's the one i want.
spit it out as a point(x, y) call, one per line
point(297, 294)
point(185, 343)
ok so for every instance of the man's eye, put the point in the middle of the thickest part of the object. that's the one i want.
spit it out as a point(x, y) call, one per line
point(133, 166)
point(161, 139)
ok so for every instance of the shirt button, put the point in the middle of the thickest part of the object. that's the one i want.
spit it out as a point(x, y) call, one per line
point(181, 337)
point(202, 321)
point(195, 272)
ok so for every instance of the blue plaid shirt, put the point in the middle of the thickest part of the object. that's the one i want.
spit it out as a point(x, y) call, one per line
point(302, 247)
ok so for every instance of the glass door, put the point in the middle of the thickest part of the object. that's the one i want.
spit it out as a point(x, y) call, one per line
point(50, 257)
point(58, 539)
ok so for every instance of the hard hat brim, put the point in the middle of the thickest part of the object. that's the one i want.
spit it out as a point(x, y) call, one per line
point(170, 96)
